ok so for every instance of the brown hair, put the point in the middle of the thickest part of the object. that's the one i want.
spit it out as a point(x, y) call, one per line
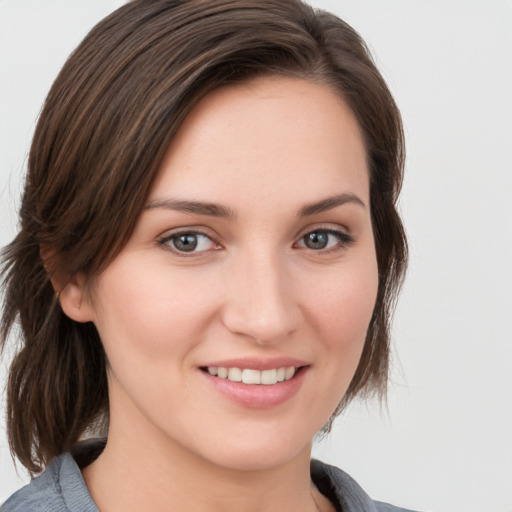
point(101, 136)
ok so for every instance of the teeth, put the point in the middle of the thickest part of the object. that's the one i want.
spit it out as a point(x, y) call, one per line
point(289, 373)
point(250, 376)
point(235, 374)
point(269, 377)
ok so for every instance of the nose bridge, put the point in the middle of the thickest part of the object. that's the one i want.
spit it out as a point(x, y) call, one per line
point(261, 303)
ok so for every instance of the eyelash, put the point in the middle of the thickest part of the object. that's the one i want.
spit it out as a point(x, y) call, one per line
point(167, 240)
point(344, 240)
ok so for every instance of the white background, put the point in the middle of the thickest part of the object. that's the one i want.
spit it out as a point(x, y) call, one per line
point(445, 442)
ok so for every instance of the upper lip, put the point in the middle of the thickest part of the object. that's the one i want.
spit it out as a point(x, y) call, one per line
point(257, 363)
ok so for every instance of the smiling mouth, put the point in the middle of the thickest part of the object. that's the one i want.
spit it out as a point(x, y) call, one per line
point(253, 377)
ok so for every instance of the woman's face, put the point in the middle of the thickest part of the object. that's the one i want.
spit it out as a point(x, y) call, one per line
point(254, 257)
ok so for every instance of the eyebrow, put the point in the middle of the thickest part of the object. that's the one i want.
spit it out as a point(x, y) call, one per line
point(329, 204)
point(217, 210)
point(197, 207)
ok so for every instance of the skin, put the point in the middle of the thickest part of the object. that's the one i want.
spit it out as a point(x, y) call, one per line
point(263, 151)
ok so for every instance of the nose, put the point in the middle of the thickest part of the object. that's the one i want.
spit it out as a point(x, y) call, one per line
point(261, 300)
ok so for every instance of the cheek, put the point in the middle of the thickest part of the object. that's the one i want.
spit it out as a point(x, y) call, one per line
point(149, 311)
point(340, 307)
point(343, 304)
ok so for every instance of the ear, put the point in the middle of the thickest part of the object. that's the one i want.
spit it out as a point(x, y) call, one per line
point(47, 254)
point(74, 300)
point(71, 291)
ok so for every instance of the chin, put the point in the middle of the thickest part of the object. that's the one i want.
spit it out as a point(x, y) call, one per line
point(260, 460)
point(257, 451)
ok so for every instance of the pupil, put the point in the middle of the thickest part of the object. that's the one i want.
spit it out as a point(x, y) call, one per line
point(316, 240)
point(186, 243)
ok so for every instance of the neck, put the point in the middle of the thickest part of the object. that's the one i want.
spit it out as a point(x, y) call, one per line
point(147, 471)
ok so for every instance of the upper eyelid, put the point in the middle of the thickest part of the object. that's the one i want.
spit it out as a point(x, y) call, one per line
point(332, 228)
point(165, 242)
point(167, 236)
point(345, 239)
point(169, 233)
point(203, 231)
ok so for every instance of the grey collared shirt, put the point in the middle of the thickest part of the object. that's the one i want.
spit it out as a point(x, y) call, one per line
point(61, 488)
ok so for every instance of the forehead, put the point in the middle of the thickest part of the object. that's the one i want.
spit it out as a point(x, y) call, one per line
point(265, 135)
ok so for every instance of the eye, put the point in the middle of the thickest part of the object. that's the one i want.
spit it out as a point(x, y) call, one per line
point(188, 242)
point(325, 239)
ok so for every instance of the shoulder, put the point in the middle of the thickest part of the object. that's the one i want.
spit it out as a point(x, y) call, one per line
point(345, 492)
point(386, 507)
point(60, 488)
point(41, 494)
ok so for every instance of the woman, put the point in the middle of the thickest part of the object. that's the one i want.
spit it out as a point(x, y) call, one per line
point(208, 256)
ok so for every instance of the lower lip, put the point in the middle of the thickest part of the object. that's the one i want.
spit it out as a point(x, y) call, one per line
point(257, 396)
